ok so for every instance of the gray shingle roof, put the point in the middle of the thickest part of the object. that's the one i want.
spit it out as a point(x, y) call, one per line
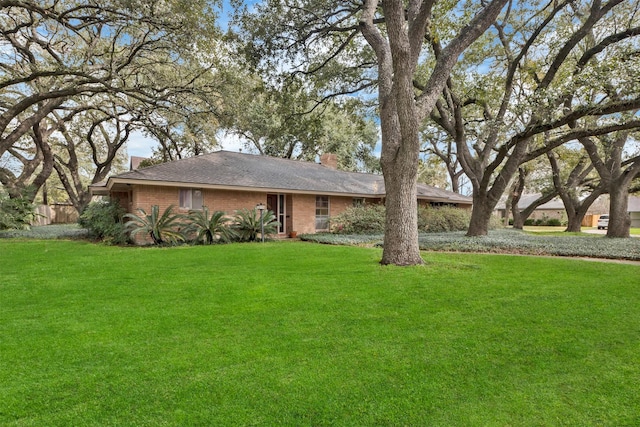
point(557, 204)
point(527, 199)
point(247, 171)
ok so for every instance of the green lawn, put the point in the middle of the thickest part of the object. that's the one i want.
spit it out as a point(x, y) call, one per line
point(293, 333)
point(560, 229)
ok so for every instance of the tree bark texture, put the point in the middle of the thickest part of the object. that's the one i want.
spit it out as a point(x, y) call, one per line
point(619, 219)
point(487, 193)
point(616, 176)
point(401, 111)
point(516, 194)
point(480, 216)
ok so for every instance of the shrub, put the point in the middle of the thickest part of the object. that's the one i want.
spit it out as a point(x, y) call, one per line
point(554, 222)
point(247, 224)
point(367, 219)
point(436, 220)
point(529, 221)
point(209, 229)
point(16, 213)
point(495, 222)
point(370, 219)
point(458, 219)
point(104, 221)
point(162, 229)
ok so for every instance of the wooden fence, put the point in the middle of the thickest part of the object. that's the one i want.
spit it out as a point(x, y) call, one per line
point(590, 220)
point(55, 214)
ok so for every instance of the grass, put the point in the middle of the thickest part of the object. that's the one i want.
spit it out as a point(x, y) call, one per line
point(291, 333)
point(544, 228)
point(634, 231)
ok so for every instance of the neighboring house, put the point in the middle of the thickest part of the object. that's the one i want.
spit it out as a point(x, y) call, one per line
point(634, 210)
point(553, 209)
point(303, 195)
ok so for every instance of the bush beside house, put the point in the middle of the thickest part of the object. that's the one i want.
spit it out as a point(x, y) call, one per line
point(105, 221)
point(369, 219)
point(366, 219)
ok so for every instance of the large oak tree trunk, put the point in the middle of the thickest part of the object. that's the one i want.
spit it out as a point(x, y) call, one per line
point(518, 221)
point(526, 212)
point(487, 192)
point(516, 194)
point(574, 224)
point(399, 161)
point(398, 52)
point(480, 215)
point(571, 206)
point(617, 176)
point(401, 222)
point(619, 220)
point(577, 209)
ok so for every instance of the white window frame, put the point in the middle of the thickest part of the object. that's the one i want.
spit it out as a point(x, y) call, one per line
point(187, 197)
point(322, 219)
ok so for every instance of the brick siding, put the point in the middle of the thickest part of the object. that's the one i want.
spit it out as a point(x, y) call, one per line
point(300, 208)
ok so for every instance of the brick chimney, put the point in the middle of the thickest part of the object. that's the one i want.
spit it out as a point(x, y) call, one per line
point(135, 162)
point(329, 160)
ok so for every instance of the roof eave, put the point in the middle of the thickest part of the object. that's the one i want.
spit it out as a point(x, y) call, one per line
point(113, 181)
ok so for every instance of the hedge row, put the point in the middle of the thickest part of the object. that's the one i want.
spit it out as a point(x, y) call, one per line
point(551, 222)
point(369, 219)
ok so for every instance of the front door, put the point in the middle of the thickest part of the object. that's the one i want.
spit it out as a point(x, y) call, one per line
point(275, 203)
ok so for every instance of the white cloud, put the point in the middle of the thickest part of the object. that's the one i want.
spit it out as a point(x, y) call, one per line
point(140, 145)
point(230, 142)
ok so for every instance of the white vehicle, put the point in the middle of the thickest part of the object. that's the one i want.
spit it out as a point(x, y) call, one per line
point(603, 222)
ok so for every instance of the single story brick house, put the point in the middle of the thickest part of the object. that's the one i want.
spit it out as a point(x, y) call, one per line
point(555, 209)
point(552, 209)
point(634, 210)
point(303, 195)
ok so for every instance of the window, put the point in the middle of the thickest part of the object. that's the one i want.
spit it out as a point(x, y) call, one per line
point(191, 198)
point(442, 204)
point(322, 212)
point(358, 202)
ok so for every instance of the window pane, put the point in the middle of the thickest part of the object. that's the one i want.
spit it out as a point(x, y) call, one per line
point(322, 212)
point(281, 212)
point(196, 199)
point(322, 222)
point(322, 202)
point(185, 198)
